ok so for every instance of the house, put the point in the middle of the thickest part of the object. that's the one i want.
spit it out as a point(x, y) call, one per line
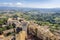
point(1, 37)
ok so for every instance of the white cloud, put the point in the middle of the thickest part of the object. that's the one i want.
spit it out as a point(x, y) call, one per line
point(53, 4)
point(18, 4)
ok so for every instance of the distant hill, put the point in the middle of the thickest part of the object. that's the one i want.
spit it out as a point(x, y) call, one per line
point(30, 9)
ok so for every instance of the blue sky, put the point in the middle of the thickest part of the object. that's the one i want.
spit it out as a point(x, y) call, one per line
point(31, 3)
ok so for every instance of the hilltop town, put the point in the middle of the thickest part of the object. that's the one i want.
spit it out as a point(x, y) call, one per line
point(29, 25)
point(20, 29)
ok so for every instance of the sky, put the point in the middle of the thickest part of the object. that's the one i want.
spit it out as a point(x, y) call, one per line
point(31, 3)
